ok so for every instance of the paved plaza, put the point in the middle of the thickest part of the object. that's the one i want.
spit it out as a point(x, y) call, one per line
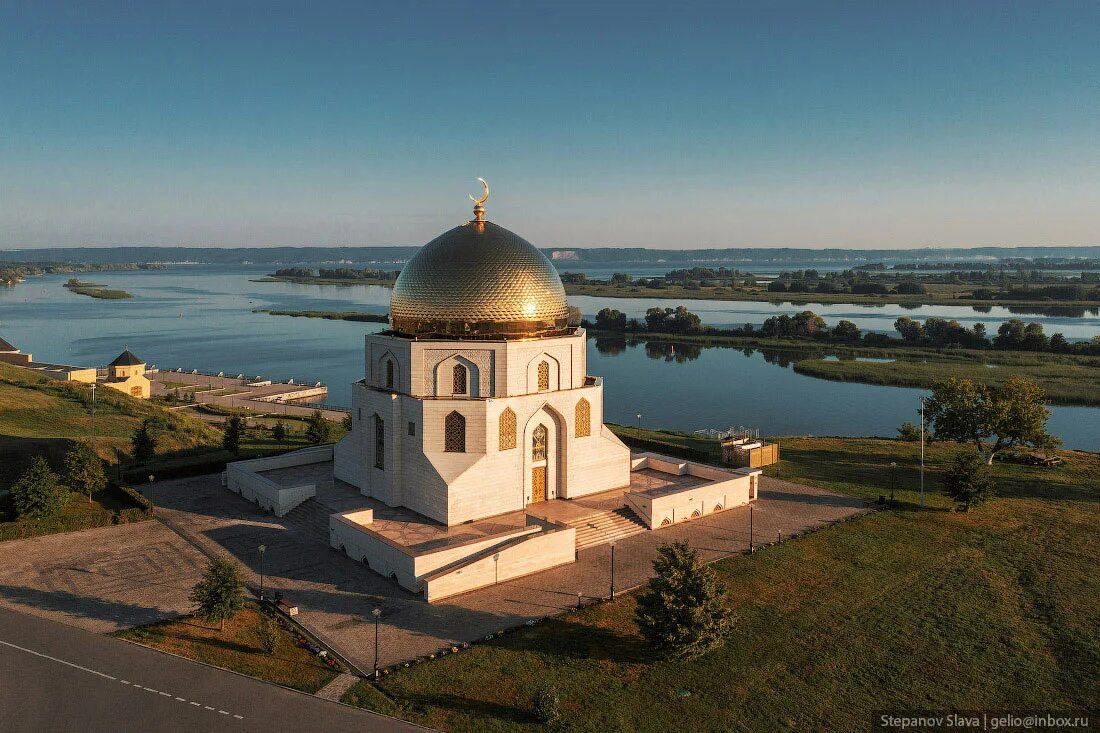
point(335, 594)
point(101, 579)
point(111, 578)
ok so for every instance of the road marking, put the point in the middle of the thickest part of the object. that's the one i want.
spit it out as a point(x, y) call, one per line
point(135, 685)
point(60, 661)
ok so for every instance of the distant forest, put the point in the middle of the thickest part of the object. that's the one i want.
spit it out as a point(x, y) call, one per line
point(973, 257)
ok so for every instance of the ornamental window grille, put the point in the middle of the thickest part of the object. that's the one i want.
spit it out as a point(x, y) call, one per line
point(539, 443)
point(389, 373)
point(458, 380)
point(507, 429)
point(379, 442)
point(544, 376)
point(454, 433)
point(583, 419)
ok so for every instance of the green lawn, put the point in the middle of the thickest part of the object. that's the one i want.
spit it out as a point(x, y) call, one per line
point(238, 648)
point(998, 608)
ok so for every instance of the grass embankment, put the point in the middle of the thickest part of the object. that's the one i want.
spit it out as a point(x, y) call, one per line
point(96, 291)
point(1066, 380)
point(938, 294)
point(908, 609)
point(328, 315)
point(41, 416)
point(239, 648)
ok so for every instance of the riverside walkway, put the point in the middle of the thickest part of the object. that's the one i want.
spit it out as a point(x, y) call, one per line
point(241, 392)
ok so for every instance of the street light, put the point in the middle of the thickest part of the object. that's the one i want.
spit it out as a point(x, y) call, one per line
point(922, 408)
point(93, 416)
point(612, 571)
point(639, 421)
point(893, 475)
point(377, 613)
point(262, 549)
point(750, 530)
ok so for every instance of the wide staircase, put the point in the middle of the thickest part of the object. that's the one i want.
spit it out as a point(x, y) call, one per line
point(603, 527)
point(311, 516)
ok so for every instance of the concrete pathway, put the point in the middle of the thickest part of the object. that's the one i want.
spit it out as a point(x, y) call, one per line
point(335, 690)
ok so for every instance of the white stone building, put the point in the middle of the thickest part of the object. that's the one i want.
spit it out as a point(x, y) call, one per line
point(478, 401)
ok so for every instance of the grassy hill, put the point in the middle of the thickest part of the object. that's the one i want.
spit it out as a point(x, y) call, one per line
point(902, 609)
point(41, 416)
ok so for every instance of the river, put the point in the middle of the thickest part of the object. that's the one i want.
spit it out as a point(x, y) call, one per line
point(200, 317)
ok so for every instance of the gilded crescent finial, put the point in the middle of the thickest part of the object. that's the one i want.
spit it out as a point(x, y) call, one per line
point(479, 204)
point(485, 197)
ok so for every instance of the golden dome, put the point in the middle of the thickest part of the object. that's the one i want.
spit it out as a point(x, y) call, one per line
point(479, 280)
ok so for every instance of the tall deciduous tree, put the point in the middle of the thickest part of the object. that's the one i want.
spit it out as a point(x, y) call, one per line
point(84, 470)
point(682, 610)
point(278, 431)
point(993, 420)
point(218, 594)
point(38, 493)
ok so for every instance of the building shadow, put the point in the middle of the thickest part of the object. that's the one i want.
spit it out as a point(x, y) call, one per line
point(99, 609)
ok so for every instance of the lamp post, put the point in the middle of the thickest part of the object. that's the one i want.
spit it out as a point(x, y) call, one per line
point(93, 416)
point(922, 407)
point(612, 571)
point(639, 421)
point(893, 475)
point(262, 549)
point(750, 530)
point(377, 613)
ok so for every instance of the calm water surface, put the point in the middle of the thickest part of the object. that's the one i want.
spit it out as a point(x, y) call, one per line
point(201, 318)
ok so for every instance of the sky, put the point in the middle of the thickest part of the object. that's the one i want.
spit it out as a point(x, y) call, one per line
point(673, 125)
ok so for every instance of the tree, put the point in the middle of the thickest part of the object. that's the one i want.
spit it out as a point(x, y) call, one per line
point(967, 482)
point(910, 330)
point(269, 634)
point(143, 442)
point(278, 431)
point(611, 319)
point(846, 331)
point(317, 428)
point(682, 610)
point(908, 432)
point(218, 594)
point(38, 492)
point(232, 431)
point(993, 420)
point(84, 470)
point(346, 422)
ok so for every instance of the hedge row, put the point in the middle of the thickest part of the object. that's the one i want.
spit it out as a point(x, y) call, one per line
point(24, 528)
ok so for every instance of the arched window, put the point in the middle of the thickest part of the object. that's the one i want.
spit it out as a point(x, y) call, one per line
point(389, 373)
point(544, 376)
point(458, 381)
point(379, 442)
point(454, 433)
point(539, 444)
point(583, 420)
point(507, 429)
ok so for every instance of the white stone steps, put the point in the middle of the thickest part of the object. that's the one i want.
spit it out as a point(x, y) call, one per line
point(605, 527)
point(310, 516)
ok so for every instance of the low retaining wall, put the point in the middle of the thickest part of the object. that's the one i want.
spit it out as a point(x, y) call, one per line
point(457, 569)
point(243, 477)
point(725, 489)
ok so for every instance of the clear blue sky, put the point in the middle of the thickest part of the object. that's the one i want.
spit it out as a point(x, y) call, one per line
point(680, 125)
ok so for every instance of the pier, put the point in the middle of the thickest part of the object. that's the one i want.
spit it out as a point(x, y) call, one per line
point(254, 394)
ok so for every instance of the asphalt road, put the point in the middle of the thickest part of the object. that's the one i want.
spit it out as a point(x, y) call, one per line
point(59, 678)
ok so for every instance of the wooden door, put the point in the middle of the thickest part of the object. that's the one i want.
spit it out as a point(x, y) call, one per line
point(538, 484)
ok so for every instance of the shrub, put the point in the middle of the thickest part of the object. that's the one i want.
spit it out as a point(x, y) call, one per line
point(84, 470)
point(967, 482)
point(909, 432)
point(547, 706)
point(38, 493)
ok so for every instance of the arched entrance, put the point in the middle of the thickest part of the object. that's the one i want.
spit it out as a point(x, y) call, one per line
point(539, 451)
point(543, 456)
